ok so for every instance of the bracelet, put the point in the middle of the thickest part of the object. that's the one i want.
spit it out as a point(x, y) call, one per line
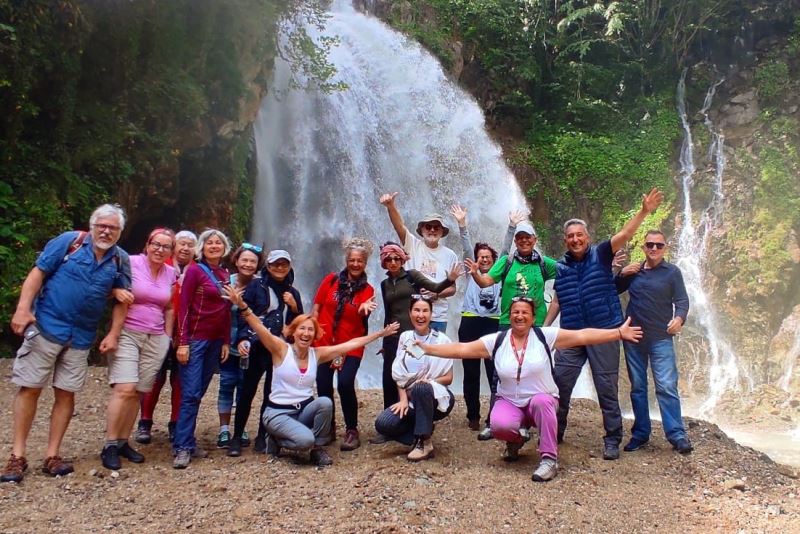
point(620, 334)
point(246, 312)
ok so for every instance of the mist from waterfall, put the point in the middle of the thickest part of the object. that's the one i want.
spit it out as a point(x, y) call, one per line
point(790, 363)
point(401, 125)
point(724, 372)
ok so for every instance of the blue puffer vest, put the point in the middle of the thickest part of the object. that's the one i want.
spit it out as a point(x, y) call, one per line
point(586, 293)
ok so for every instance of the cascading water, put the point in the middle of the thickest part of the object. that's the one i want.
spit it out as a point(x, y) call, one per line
point(324, 159)
point(790, 362)
point(723, 367)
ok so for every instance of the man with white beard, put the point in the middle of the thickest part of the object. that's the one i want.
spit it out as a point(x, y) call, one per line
point(70, 284)
point(427, 255)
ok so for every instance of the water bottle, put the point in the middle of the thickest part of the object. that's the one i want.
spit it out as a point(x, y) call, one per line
point(244, 360)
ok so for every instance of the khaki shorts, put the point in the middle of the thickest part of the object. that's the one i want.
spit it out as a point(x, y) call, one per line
point(38, 358)
point(138, 359)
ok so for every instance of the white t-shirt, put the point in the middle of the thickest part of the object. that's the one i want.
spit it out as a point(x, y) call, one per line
point(406, 367)
point(434, 263)
point(535, 376)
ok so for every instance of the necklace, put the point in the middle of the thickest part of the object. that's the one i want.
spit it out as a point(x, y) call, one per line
point(519, 354)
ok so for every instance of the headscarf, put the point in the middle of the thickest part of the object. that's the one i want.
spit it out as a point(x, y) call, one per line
point(391, 248)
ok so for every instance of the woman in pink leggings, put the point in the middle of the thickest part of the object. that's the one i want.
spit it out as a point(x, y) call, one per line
point(526, 392)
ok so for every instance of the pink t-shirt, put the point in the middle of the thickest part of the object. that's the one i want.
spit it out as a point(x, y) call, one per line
point(151, 296)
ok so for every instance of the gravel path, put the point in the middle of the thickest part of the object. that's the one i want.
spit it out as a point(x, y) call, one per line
point(467, 487)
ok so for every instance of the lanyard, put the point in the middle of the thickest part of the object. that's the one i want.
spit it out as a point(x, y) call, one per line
point(519, 355)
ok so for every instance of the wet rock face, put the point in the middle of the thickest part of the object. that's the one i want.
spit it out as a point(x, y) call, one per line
point(784, 353)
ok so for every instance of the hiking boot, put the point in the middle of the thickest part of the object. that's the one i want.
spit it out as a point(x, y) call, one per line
point(224, 440)
point(474, 424)
point(351, 441)
point(378, 439)
point(525, 434)
point(511, 454)
point(320, 457)
point(683, 446)
point(422, 450)
point(634, 445)
point(126, 451)
point(245, 441)
point(235, 448)
point(199, 453)
point(182, 459)
point(547, 470)
point(272, 447)
point(260, 444)
point(485, 434)
point(55, 466)
point(610, 451)
point(110, 458)
point(143, 433)
point(15, 469)
point(171, 430)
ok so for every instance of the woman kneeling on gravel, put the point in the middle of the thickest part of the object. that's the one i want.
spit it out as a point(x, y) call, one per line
point(422, 382)
point(294, 419)
point(526, 393)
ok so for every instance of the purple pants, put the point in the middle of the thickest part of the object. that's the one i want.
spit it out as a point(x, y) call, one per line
point(507, 419)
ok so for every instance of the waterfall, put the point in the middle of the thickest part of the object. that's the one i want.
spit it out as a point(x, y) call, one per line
point(789, 364)
point(723, 367)
point(401, 125)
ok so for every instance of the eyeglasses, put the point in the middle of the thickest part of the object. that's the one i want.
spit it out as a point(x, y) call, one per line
point(417, 296)
point(652, 244)
point(255, 248)
point(160, 246)
point(429, 226)
point(106, 227)
point(392, 259)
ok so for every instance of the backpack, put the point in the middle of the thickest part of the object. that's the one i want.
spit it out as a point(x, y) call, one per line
point(510, 262)
point(79, 241)
point(501, 336)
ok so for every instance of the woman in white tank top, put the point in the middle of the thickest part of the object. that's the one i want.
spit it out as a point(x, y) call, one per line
point(294, 419)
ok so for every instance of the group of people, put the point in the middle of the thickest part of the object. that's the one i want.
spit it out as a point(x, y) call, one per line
point(180, 309)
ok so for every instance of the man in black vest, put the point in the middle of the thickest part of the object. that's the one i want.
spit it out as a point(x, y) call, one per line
point(587, 298)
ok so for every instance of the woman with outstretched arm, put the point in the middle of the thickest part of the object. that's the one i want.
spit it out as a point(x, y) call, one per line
point(526, 393)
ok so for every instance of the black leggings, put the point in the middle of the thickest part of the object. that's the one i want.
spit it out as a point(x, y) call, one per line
point(390, 394)
point(346, 386)
point(260, 364)
point(473, 328)
point(418, 421)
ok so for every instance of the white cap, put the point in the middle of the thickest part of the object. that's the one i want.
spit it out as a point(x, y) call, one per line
point(525, 227)
point(275, 255)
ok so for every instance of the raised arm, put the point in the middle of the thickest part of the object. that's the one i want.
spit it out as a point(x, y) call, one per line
point(274, 344)
point(394, 215)
point(650, 203)
point(514, 218)
point(552, 311)
point(596, 336)
point(326, 354)
point(459, 213)
point(482, 279)
point(473, 350)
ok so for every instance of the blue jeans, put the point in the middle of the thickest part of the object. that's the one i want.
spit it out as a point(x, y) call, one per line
point(195, 377)
point(231, 378)
point(661, 356)
point(441, 326)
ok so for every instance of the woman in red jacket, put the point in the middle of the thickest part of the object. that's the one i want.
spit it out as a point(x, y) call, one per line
point(342, 307)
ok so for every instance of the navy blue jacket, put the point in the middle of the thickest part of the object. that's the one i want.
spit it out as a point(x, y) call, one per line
point(586, 291)
point(258, 298)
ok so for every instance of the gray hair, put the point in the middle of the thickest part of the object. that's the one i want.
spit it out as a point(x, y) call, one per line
point(205, 236)
point(575, 221)
point(108, 210)
point(357, 243)
point(186, 234)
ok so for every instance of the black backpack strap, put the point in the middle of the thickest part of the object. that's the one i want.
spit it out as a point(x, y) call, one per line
point(498, 341)
point(540, 335)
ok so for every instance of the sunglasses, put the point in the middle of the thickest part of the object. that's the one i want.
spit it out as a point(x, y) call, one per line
point(523, 298)
point(255, 248)
point(429, 226)
point(652, 245)
point(417, 296)
point(392, 259)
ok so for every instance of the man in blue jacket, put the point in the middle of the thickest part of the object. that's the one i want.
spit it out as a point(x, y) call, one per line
point(659, 304)
point(587, 298)
point(70, 285)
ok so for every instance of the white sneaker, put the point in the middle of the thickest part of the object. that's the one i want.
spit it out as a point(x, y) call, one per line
point(182, 459)
point(547, 470)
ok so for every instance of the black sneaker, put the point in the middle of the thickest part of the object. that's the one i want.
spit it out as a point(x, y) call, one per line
point(273, 449)
point(245, 439)
point(235, 447)
point(143, 433)
point(260, 444)
point(610, 451)
point(224, 440)
point(126, 451)
point(320, 457)
point(683, 446)
point(634, 445)
point(110, 458)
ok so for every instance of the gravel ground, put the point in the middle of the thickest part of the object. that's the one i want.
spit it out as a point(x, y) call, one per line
point(720, 487)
